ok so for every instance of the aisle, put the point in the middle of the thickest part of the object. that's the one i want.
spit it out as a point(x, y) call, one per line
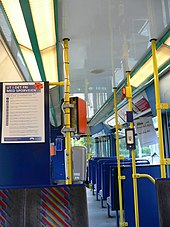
point(97, 215)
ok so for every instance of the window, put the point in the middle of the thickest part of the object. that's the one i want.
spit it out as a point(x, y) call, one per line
point(150, 152)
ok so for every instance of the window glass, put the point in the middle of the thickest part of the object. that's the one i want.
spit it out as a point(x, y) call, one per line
point(82, 141)
point(150, 152)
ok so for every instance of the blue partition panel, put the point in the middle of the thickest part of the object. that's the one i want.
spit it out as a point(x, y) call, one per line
point(148, 208)
point(26, 164)
point(99, 172)
point(163, 196)
point(113, 188)
point(105, 177)
point(92, 169)
point(90, 163)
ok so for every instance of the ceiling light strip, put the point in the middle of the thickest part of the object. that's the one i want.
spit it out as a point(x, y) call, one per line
point(43, 16)
point(145, 72)
point(149, 54)
point(150, 79)
point(56, 17)
point(32, 35)
point(15, 40)
point(163, 39)
point(26, 9)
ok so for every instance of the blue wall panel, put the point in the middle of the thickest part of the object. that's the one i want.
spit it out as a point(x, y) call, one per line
point(26, 164)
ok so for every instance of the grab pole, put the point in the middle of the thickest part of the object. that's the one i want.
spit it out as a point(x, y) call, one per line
point(159, 107)
point(68, 151)
point(135, 189)
point(120, 178)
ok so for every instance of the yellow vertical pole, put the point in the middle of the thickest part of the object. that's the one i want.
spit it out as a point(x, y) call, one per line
point(158, 108)
point(135, 189)
point(118, 160)
point(67, 114)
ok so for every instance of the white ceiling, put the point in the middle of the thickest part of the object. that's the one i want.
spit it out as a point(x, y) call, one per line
point(108, 37)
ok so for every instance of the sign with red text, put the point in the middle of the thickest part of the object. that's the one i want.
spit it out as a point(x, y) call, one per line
point(140, 106)
point(23, 113)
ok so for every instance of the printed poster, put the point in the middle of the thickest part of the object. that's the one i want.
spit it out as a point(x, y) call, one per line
point(23, 113)
point(146, 131)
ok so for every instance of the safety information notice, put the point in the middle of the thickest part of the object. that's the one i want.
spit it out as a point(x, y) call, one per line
point(23, 113)
point(146, 131)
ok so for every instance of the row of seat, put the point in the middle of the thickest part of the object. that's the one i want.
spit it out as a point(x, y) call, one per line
point(103, 176)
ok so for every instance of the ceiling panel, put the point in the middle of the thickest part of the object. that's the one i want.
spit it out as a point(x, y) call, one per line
point(107, 38)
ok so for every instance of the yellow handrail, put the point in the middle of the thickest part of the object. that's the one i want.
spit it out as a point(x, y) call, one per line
point(67, 115)
point(143, 175)
point(135, 189)
point(158, 109)
point(61, 83)
point(118, 160)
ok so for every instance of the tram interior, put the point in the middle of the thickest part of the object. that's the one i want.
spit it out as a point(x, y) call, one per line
point(94, 131)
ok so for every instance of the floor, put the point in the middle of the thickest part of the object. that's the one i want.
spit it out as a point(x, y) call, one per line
point(97, 215)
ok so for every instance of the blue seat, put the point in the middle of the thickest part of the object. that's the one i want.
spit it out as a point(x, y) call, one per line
point(148, 207)
point(92, 165)
point(92, 171)
point(113, 198)
point(99, 172)
point(104, 192)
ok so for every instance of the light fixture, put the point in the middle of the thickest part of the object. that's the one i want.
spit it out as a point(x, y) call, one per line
point(163, 56)
point(43, 17)
point(167, 42)
point(44, 24)
point(31, 63)
point(49, 59)
point(12, 8)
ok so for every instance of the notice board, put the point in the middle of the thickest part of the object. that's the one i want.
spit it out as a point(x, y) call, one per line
point(24, 147)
